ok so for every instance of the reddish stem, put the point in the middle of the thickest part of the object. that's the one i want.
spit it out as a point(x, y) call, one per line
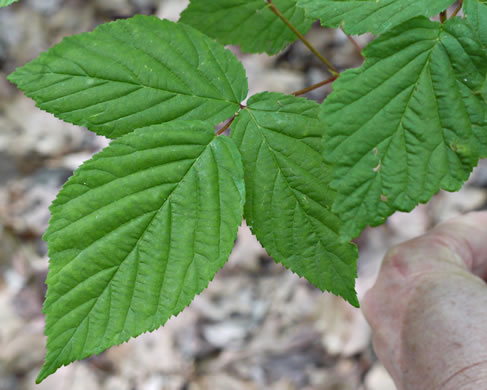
point(354, 42)
point(315, 86)
point(227, 125)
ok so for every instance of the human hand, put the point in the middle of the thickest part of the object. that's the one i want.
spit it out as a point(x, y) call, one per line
point(428, 308)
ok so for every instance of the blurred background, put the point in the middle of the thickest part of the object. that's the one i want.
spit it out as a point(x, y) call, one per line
point(257, 326)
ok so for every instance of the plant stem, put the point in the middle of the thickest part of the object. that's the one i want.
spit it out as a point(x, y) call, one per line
point(354, 42)
point(457, 10)
point(227, 125)
point(315, 86)
point(334, 71)
point(443, 17)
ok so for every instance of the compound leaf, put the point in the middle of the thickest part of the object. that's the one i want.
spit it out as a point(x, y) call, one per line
point(408, 122)
point(476, 14)
point(248, 23)
point(376, 16)
point(4, 3)
point(136, 233)
point(134, 73)
point(288, 198)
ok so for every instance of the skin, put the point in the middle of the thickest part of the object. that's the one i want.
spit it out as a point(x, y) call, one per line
point(428, 308)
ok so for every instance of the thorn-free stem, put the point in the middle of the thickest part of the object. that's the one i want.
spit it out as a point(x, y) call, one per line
point(227, 125)
point(315, 86)
point(354, 42)
point(334, 71)
point(457, 10)
point(443, 17)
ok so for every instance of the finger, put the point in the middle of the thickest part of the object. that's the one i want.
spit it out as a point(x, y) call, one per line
point(466, 238)
point(458, 246)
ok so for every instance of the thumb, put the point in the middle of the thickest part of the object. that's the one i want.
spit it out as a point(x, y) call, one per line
point(417, 279)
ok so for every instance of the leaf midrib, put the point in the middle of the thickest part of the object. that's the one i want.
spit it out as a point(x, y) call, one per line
point(134, 247)
point(413, 87)
point(124, 82)
point(298, 201)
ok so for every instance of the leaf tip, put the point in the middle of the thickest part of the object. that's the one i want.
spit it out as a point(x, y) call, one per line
point(11, 77)
point(43, 374)
point(353, 300)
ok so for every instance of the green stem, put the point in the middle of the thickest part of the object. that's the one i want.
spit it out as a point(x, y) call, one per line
point(315, 86)
point(334, 71)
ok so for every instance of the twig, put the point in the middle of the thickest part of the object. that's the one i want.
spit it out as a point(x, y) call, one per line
point(227, 125)
point(315, 86)
point(334, 71)
point(354, 42)
point(443, 17)
point(457, 10)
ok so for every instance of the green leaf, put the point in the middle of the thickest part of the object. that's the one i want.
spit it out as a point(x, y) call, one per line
point(408, 122)
point(134, 73)
point(476, 13)
point(4, 3)
point(288, 198)
point(375, 16)
point(136, 233)
point(248, 23)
